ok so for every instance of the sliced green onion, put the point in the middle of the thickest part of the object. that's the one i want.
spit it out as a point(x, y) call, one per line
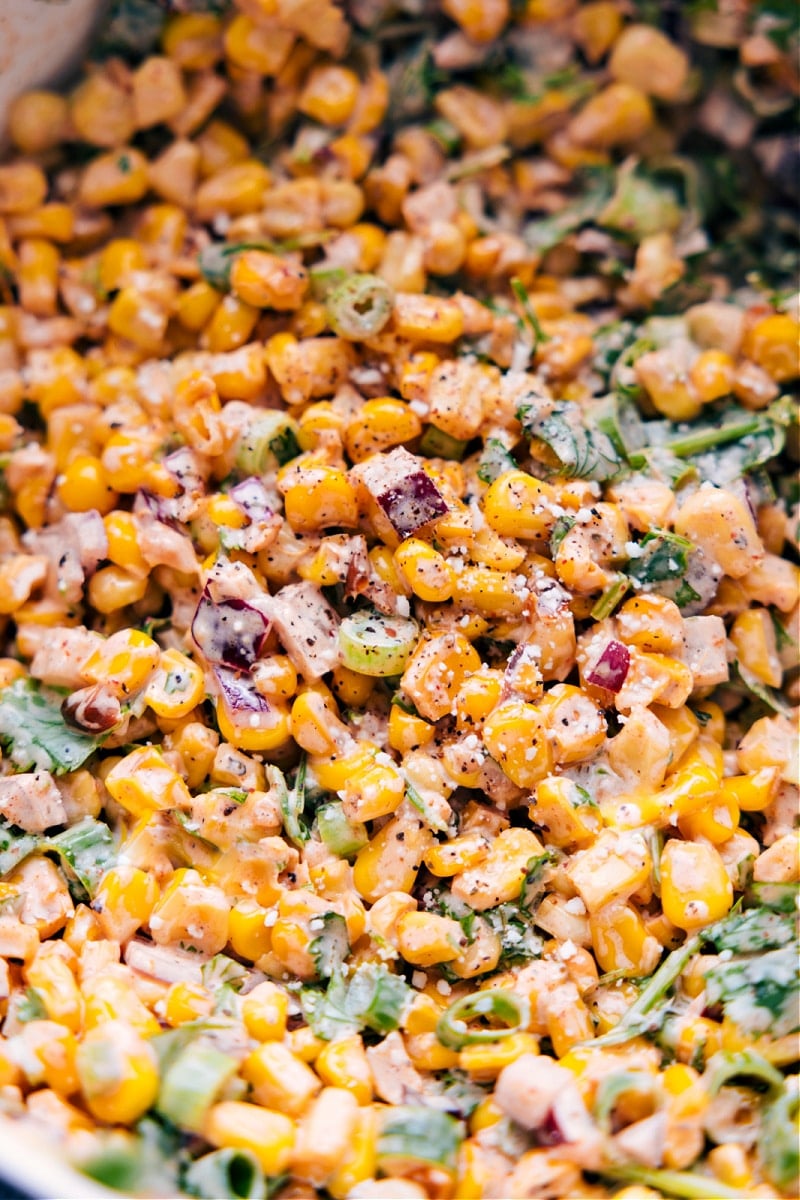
point(675, 1183)
point(635, 1019)
point(611, 1087)
point(374, 644)
point(226, 1175)
point(342, 836)
point(435, 443)
point(495, 460)
point(412, 1135)
point(747, 1065)
point(269, 442)
point(529, 313)
point(293, 803)
point(777, 1144)
point(421, 805)
point(452, 1029)
point(331, 946)
point(191, 1084)
point(610, 598)
point(360, 307)
point(325, 279)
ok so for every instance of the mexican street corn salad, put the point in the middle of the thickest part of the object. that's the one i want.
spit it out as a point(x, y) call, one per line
point(399, 602)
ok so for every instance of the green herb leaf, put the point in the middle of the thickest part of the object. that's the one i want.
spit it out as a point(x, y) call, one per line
point(417, 1135)
point(760, 994)
point(34, 733)
point(331, 946)
point(15, 845)
point(495, 460)
point(777, 1142)
point(582, 452)
point(752, 931)
point(372, 998)
point(31, 1007)
point(87, 850)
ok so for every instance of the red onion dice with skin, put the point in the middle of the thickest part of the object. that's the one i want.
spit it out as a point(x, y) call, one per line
point(239, 695)
point(160, 507)
point(252, 498)
point(184, 468)
point(230, 633)
point(413, 503)
point(611, 668)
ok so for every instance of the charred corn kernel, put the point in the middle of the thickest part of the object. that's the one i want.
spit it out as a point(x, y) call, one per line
point(515, 735)
point(235, 190)
point(343, 1064)
point(124, 901)
point(427, 318)
point(142, 782)
point(236, 1125)
point(113, 588)
point(425, 570)
point(322, 497)
point(55, 985)
point(279, 1079)
point(249, 934)
point(265, 1011)
point(486, 1061)
point(125, 660)
point(84, 486)
point(499, 876)
point(517, 505)
point(268, 281)
point(329, 95)
point(379, 425)
point(118, 1073)
point(773, 343)
point(752, 792)
point(187, 1002)
point(695, 888)
point(425, 939)
point(753, 636)
point(193, 40)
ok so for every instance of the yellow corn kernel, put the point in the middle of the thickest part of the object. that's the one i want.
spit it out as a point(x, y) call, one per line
point(614, 116)
point(119, 260)
point(57, 377)
point(196, 746)
point(343, 1064)
point(478, 695)
point(519, 506)
point(498, 876)
point(37, 276)
point(773, 344)
point(425, 939)
point(176, 687)
point(265, 1012)
point(485, 1061)
point(515, 735)
point(711, 375)
point(375, 790)
point(716, 822)
point(268, 281)
point(118, 177)
point(457, 855)
point(252, 46)
point(621, 942)
point(51, 976)
point(427, 318)
point(236, 1125)
point(124, 901)
point(279, 1079)
point(753, 636)
point(392, 859)
point(187, 1002)
point(263, 731)
point(425, 570)
point(322, 497)
point(235, 190)
point(352, 688)
point(193, 40)
point(329, 94)
point(557, 808)
point(196, 305)
point(50, 1051)
point(378, 425)
point(125, 660)
point(652, 623)
point(751, 792)
point(142, 782)
point(408, 732)
point(436, 671)
point(615, 867)
point(231, 325)
point(360, 1162)
point(695, 887)
point(112, 588)
point(275, 677)
point(250, 937)
point(23, 187)
point(316, 727)
point(731, 1166)
point(37, 121)
point(84, 486)
point(191, 913)
point(118, 1073)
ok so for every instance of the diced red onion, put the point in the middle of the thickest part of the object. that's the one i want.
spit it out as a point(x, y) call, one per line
point(239, 695)
point(412, 503)
point(230, 633)
point(252, 498)
point(611, 668)
point(184, 468)
point(160, 507)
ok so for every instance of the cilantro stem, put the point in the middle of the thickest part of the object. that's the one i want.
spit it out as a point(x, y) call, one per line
point(529, 313)
point(675, 1183)
point(632, 1022)
point(610, 598)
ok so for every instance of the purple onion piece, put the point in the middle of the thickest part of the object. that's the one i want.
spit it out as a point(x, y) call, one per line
point(611, 668)
point(162, 508)
point(182, 466)
point(550, 1132)
point(412, 503)
point(252, 498)
point(230, 633)
point(239, 692)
